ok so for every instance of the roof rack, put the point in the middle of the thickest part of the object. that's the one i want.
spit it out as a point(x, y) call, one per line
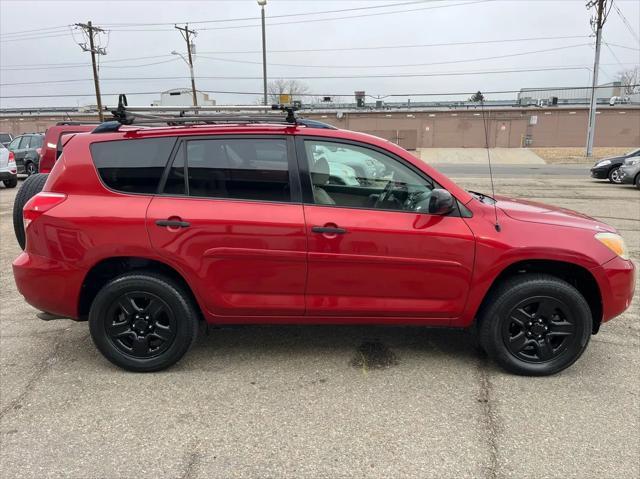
point(215, 114)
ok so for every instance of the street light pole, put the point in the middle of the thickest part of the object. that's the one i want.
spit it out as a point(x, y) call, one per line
point(262, 3)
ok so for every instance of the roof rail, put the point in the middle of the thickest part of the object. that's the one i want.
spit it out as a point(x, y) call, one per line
point(214, 114)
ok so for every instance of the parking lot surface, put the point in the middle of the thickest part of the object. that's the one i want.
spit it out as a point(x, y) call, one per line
point(296, 402)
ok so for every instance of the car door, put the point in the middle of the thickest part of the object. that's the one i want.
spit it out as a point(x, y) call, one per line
point(371, 254)
point(230, 214)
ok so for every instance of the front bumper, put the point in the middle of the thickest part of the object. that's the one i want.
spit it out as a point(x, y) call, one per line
point(617, 282)
point(628, 174)
point(601, 173)
point(48, 285)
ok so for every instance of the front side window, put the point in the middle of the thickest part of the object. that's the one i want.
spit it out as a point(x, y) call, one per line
point(14, 144)
point(132, 166)
point(251, 169)
point(357, 177)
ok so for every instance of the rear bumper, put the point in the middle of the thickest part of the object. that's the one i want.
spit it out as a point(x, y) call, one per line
point(616, 279)
point(48, 285)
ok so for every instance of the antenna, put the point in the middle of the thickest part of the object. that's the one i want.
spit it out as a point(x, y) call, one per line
point(486, 142)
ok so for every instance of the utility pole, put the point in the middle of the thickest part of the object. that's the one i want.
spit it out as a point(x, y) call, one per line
point(186, 34)
point(262, 3)
point(596, 24)
point(91, 31)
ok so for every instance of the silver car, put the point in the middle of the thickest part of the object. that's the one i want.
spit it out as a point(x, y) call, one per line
point(630, 172)
point(8, 169)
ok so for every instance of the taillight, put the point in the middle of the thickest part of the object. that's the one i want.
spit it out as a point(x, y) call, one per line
point(40, 204)
point(12, 163)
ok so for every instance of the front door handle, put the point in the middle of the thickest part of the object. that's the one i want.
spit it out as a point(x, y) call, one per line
point(173, 223)
point(328, 230)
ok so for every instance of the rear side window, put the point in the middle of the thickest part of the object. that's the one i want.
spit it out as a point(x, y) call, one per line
point(24, 142)
point(132, 166)
point(251, 169)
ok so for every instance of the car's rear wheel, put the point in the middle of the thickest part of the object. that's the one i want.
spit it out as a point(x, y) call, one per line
point(535, 325)
point(615, 176)
point(30, 187)
point(143, 322)
point(12, 183)
point(30, 168)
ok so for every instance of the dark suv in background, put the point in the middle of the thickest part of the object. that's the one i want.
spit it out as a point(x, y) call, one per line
point(26, 150)
point(5, 138)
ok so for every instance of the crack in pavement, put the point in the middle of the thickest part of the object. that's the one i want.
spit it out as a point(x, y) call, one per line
point(488, 417)
point(42, 369)
point(192, 460)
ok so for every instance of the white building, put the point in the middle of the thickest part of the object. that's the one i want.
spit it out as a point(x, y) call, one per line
point(183, 97)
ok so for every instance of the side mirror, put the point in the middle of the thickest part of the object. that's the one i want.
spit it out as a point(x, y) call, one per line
point(440, 202)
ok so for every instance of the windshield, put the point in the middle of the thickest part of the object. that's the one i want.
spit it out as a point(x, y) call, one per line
point(635, 152)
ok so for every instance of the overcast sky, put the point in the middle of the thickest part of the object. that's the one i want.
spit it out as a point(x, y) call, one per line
point(49, 54)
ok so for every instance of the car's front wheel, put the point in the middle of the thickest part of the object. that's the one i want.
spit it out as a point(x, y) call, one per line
point(615, 175)
point(535, 325)
point(143, 322)
point(638, 181)
point(12, 183)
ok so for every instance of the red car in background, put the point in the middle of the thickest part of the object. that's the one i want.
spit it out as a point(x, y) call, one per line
point(146, 232)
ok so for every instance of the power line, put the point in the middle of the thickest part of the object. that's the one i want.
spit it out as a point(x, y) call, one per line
point(225, 20)
point(448, 5)
point(394, 75)
point(414, 94)
point(386, 47)
point(36, 30)
point(626, 23)
point(44, 66)
point(510, 55)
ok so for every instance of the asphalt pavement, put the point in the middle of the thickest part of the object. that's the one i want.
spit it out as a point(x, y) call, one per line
point(299, 402)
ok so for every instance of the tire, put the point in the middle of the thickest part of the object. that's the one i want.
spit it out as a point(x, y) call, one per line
point(614, 175)
point(638, 181)
point(511, 325)
point(30, 168)
point(10, 183)
point(143, 321)
point(30, 187)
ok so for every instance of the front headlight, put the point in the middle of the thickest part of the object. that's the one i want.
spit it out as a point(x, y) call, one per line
point(634, 161)
point(603, 163)
point(615, 243)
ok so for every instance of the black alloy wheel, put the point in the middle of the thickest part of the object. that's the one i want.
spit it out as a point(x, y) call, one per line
point(141, 325)
point(143, 321)
point(535, 324)
point(539, 329)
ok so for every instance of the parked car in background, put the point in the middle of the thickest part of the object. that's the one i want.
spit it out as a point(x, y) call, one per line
point(609, 168)
point(54, 140)
point(26, 149)
point(146, 232)
point(630, 171)
point(8, 170)
point(5, 138)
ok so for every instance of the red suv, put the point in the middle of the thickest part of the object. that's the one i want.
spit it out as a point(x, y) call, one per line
point(148, 231)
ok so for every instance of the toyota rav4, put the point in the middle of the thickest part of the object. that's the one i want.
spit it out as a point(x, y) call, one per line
point(146, 232)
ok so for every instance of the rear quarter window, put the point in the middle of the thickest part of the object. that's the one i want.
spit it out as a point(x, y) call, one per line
point(132, 166)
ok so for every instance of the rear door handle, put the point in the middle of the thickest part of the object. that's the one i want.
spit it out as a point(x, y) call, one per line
point(331, 230)
point(173, 223)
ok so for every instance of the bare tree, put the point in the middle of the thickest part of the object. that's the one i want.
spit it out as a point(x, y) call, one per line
point(477, 97)
point(295, 88)
point(630, 80)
